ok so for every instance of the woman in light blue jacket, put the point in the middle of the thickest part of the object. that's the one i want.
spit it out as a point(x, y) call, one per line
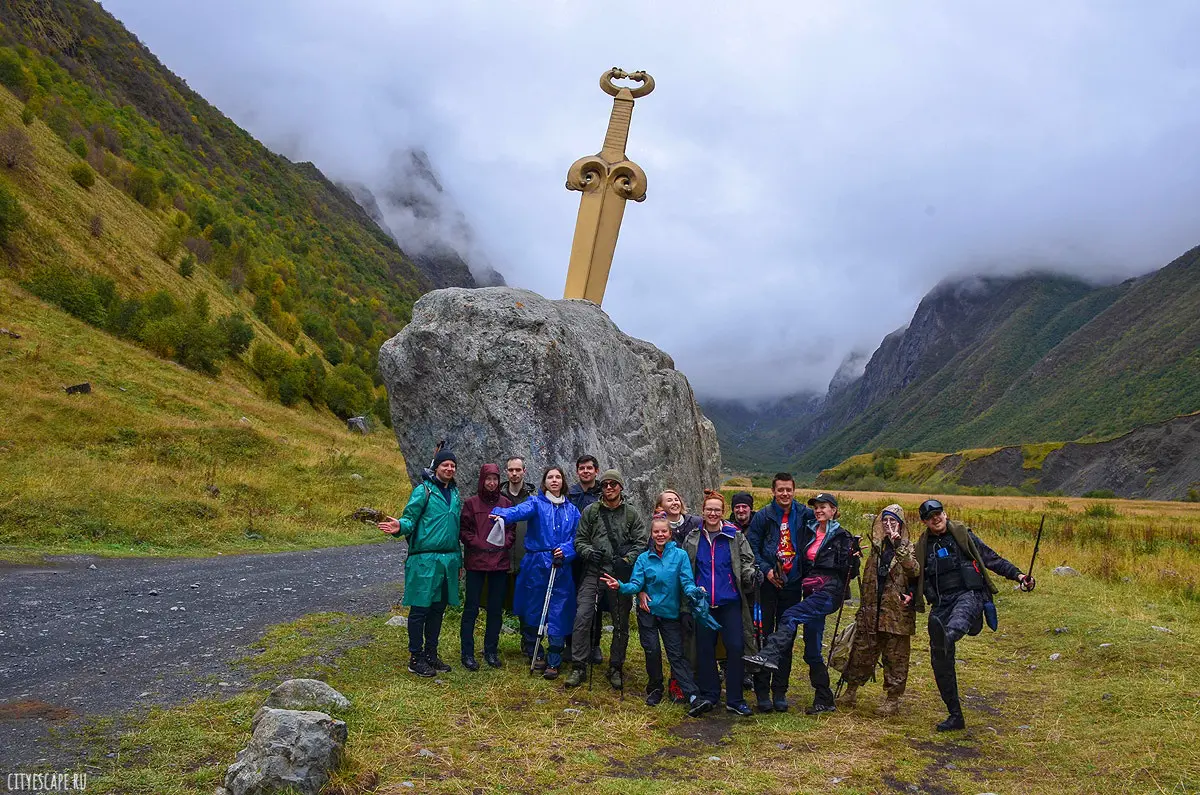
point(664, 573)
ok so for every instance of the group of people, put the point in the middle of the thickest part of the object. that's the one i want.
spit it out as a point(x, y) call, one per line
point(739, 586)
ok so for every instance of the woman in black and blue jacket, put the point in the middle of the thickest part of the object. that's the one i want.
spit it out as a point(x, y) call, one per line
point(829, 559)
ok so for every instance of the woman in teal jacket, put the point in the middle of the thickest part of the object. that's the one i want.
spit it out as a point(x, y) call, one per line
point(664, 573)
point(430, 522)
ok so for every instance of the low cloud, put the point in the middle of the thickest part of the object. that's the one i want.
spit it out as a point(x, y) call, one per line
point(814, 169)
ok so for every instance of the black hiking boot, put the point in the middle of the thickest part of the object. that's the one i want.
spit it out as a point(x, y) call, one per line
point(492, 659)
point(597, 656)
point(699, 707)
point(654, 697)
point(765, 705)
point(741, 709)
point(418, 666)
point(954, 722)
point(818, 709)
point(616, 678)
point(437, 663)
point(469, 662)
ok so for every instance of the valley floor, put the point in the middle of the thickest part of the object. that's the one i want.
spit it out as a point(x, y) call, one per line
point(1115, 709)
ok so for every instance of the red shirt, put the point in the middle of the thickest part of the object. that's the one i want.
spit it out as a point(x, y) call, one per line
point(786, 552)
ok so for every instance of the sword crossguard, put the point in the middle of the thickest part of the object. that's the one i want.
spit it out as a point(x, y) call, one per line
point(616, 73)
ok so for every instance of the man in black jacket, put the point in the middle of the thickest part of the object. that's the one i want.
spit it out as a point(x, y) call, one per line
point(954, 580)
point(830, 559)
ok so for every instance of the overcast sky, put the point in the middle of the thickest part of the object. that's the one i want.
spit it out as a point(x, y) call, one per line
point(814, 168)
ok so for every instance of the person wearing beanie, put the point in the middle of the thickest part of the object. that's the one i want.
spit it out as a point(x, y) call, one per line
point(741, 510)
point(430, 523)
point(611, 536)
point(581, 495)
point(486, 562)
point(886, 618)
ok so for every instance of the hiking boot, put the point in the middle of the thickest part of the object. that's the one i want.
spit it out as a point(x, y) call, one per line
point(780, 704)
point(757, 662)
point(469, 662)
point(952, 723)
point(437, 664)
point(418, 666)
point(699, 707)
point(817, 709)
point(576, 677)
point(616, 678)
point(741, 708)
point(765, 705)
point(492, 659)
point(654, 697)
point(888, 707)
point(597, 656)
point(539, 664)
point(550, 672)
point(849, 698)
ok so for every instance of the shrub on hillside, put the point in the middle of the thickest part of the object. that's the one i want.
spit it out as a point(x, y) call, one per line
point(238, 333)
point(96, 225)
point(187, 265)
point(200, 247)
point(82, 295)
point(16, 149)
point(12, 214)
point(27, 115)
point(1100, 510)
point(13, 74)
point(83, 175)
point(79, 146)
point(143, 187)
point(268, 361)
point(349, 391)
point(168, 242)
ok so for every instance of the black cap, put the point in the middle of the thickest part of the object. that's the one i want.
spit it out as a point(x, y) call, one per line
point(824, 497)
point(443, 456)
point(742, 498)
point(929, 508)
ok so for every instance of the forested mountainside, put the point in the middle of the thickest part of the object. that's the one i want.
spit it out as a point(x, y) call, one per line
point(1002, 361)
point(269, 236)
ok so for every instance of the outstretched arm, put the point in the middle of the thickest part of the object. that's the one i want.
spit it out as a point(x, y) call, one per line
point(993, 561)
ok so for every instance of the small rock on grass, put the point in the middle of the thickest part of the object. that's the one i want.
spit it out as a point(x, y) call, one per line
point(1162, 629)
point(1105, 645)
point(1061, 630)
point(572, 711)
point(397, 621)
point(425, 752)
point(1066, 571)
point(310, 694)
point(714, 759)
point(1055, 656)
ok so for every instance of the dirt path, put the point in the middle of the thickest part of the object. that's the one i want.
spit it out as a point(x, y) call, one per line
point(83, 637)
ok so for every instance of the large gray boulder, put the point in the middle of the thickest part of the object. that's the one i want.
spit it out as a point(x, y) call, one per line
point(500, 371)
point(290, 751)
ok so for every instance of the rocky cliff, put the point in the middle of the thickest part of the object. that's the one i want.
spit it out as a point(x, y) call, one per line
point(500, 371)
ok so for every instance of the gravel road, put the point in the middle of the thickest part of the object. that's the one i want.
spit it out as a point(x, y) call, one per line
point(84, 637)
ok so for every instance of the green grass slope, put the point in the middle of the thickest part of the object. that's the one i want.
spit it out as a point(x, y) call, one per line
point(159, 460)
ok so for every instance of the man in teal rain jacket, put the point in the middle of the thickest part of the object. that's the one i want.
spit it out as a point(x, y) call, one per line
point(430, 522)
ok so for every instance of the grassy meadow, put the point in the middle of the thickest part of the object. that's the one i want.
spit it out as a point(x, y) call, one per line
point(161, 460)
point(1116, 711)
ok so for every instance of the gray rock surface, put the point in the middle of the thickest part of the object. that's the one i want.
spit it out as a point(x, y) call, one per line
point(500, 371)
point(1065, 571)
point(306, 694)
point(289, 748)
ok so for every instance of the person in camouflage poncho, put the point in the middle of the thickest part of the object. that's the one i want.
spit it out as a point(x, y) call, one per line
point(886, 619)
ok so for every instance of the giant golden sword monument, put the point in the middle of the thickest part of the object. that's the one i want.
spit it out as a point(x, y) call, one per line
point(607, 180)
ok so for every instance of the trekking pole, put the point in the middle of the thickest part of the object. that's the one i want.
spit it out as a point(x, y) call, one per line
point(591, 665)
point(841, 607)
point(1036, 544)
point(542, 623)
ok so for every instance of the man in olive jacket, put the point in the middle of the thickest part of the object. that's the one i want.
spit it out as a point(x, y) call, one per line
point(610, 537)
point(954, 580)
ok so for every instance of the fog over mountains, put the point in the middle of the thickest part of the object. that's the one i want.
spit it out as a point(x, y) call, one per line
point(814, 169)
